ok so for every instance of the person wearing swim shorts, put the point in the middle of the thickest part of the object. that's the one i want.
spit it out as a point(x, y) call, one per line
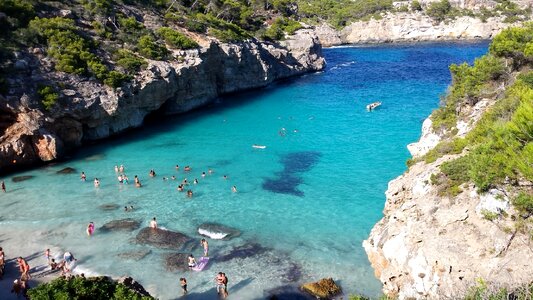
point(192, 262)
point(205, 245)
point(183, 283)
point(219, 281)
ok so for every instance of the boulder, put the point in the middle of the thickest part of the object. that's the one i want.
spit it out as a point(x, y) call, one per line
point(325, 288)
point(287, 292)
point(67, 170)
point(164, 239)
point(218, 231)
point(121, 225)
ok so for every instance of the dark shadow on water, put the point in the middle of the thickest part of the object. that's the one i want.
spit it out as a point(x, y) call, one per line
point(288, 180)
point(239, 285)
point(211, 294)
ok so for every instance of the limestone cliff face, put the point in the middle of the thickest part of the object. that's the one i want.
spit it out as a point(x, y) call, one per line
point(429, 246)
point(88, 110)
point(408, 27)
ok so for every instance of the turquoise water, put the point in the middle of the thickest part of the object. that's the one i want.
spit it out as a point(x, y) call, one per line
point(309, 198)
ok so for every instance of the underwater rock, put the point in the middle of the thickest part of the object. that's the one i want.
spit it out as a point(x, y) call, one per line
point(67, 170)
point(243, 251)
point(325, 288)
point(21, 178)
point(135, 255)
point(110, 206)
point(134, 286)
point(164, 239)
point(124, 224)
point(287, 292)
point(217, 231)
point(177, 262)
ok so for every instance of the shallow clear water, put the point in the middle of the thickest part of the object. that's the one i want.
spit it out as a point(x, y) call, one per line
point(310, 197)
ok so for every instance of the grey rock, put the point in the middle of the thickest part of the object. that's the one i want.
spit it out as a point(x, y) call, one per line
point(107, 207)
point(243, 251)
point(22, 178)
point(135, 255)
point(67, 170)
point(21, 65)
point(121, 225)
point(134, 286)
point(164, 239)
point(176, 262)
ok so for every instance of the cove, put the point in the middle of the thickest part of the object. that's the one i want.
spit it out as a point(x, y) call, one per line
point(304, 203)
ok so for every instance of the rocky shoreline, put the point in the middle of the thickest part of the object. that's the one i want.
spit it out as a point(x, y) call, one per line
point(411, 27)
point(90, 111)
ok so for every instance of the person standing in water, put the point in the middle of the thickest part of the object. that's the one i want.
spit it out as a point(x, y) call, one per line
point(234, 189)
point(183, 283)
point(82, 176)
point(219, 281)
point(90, 229)
point(24, 269)
point(96, 182)
point(205, 245)
point(192, 261)
point(3, 184)
point(47, 255)
point(153, 223)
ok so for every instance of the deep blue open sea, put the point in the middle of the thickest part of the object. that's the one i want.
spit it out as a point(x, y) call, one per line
point(304, 203)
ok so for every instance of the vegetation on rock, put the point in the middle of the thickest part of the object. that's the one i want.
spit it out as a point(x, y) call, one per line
point(95, 288)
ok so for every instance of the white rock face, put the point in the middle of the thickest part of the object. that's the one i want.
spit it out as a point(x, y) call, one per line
point(494, 201)
point(409, 27)
point(428, 140)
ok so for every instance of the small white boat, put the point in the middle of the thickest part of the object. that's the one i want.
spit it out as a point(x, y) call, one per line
point(373, 105)
point(258, 146)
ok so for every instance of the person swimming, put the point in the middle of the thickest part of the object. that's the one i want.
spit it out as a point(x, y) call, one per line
point(82, 176)
point(120, 178)
point(195, 181)
point(137, 181)
point(177, 168)
point(121, 169)
point(152, 173)
point(234, 189)
point(203, 174)
point(189, 193)
point(180, 187)
point(96, 182)
point(187, 169)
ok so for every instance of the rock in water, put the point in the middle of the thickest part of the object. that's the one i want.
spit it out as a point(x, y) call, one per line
point(67, 170)
point(124, 224)
point(21, 178)
point(243, 251)
point(164, 239)
point(135, 255)
point(218, 231)
point(325, 288)
point(110, 206)
point(177, 262)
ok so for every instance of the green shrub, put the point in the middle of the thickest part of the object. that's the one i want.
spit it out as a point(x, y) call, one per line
point(513, 42)
point(19, 13)
point(116, 79)
point(524, 203)
point(416, 6)
point(129, 61)
point(48, 96)
point(176, 39)
point(97, 288)
point(148, 48)
point(281, 26)
point(439, 11)
point(489, 215)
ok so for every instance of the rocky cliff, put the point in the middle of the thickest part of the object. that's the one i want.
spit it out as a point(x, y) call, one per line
point(435, 243)
point(89, 110)
point(411, 27)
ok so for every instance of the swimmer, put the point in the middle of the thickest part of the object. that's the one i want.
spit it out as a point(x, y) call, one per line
point(177, 168)
point(165, 179)
point(192, 262)
point(210, 171)
point(153, 223)
point(203, 174)
point(96, 182)
point(205, 245)
point(173, 177)
point(90, 229)
point(234, 189)
point(137, 181)
point(183, 283)
point(131, 207)
point(152, 173)
point(82, 176)
point(125, 178)
point(195, 181)
point(180, 188)
point(187, 169)
point(3, 186)
point(116, 169)
point(225, 177)
point(184, 182)
point(121, 169)
point(125, 208)
point(120, 178)
point(189, 193)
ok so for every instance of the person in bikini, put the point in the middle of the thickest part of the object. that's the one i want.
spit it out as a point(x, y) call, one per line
point(24, 269)
point(192, 261)
point(219, 280)
point(183, 283)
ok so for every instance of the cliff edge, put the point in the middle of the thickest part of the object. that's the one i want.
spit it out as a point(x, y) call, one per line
point(460, 219)
point(90, 110)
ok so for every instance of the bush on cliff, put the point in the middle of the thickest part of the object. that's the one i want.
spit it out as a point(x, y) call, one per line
point(281, 26)
point(48, 96)
point(94, 288)
point(176, 39)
